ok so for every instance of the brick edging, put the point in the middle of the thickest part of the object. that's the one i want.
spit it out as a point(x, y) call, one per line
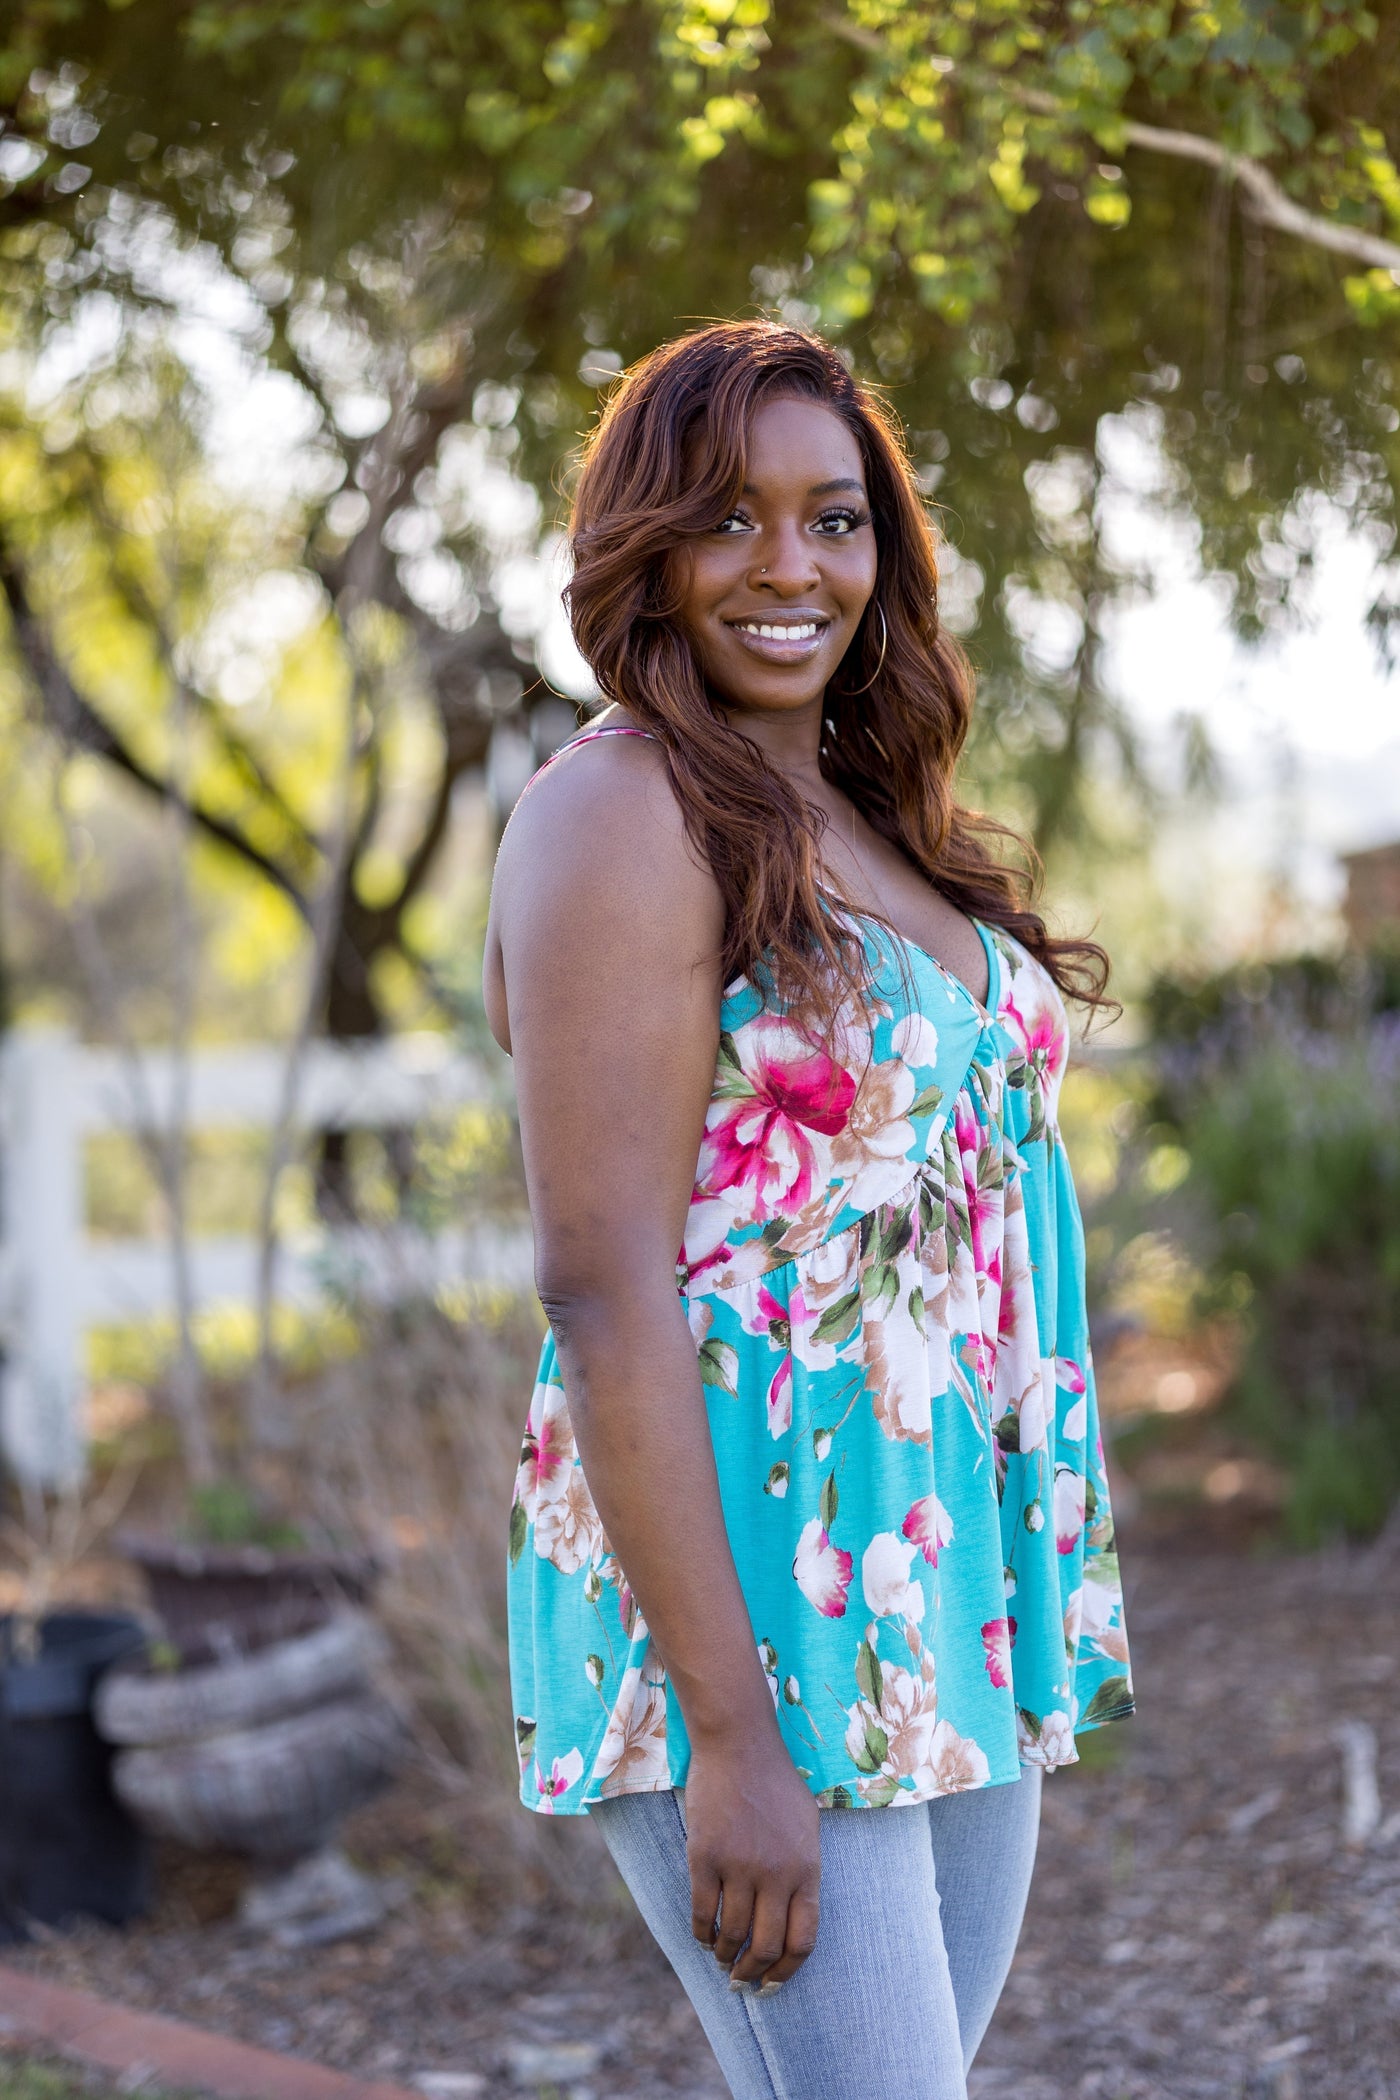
point(113, 2038)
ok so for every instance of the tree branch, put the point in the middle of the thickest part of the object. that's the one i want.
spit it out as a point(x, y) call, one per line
point(139, 602)
point(1268, 203)
point(66, 710)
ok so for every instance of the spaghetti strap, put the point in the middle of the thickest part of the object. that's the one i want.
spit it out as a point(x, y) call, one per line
point(589, 736)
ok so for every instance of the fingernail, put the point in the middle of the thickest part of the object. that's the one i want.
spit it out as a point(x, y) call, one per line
point(769, 1990)
point(736, 1984)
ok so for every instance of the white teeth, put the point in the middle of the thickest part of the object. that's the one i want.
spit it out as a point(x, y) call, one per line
point(787, 633)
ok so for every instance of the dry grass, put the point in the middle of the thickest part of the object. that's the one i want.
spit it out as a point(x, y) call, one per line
point(411, 1448)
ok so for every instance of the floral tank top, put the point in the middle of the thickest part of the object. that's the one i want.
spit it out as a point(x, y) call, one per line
point(883, 1271)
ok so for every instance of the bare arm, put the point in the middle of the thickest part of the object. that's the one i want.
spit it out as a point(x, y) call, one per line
point(609, 936)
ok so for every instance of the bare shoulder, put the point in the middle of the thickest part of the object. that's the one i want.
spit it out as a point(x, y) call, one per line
point(595, 868)
point(601, 816)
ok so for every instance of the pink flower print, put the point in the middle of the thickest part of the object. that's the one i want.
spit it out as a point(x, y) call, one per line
point(984, 1203)
point(548, 1451)
point(775, 1321)
point(762, 1141)
point(822, 1571)
point(1043, 1034)
point(998, 1638)
point(1069, 1378)
point(1069, 1500)
point(930, 1527)
point(780, 1398)
point(563, 1773)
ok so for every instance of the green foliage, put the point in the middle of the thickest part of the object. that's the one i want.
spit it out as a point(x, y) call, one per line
point(1287, 1103)
point(468, 213)
point(228, 1513)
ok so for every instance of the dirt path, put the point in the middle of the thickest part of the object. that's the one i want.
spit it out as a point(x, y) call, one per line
point(1196, 1927)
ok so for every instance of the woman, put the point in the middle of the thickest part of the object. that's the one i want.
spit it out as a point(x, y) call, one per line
point(811, 1516)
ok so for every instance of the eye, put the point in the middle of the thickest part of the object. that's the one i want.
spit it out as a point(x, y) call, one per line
point(735, 523)
point(839, 523)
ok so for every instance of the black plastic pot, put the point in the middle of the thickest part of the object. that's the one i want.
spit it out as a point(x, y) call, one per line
point(68, 1848)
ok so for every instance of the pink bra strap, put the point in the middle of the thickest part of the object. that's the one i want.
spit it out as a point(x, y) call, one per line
point(588, 737)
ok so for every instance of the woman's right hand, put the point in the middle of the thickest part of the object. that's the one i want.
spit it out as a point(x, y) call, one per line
point(753, 1842)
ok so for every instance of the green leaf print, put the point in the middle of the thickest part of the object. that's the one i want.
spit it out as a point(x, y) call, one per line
point(879, 1287)
point(927, 1103)
point(1032, 1723)
point(895, 1233)
point(777, 1481)
point(877, 1745)
point(730, 1082)
point(869, 1677)
point(882, 1793)
point(593, 1671)
point(916, 1305)
point(519, 1528)
point(525, 1732)
point(835, 1797)
point(933, 1208)
point(1114, 1696)
point(830, 1501)
point(838, 1322)
point(719, 1367)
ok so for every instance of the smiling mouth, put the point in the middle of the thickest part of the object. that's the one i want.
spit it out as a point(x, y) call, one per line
point(781, 641)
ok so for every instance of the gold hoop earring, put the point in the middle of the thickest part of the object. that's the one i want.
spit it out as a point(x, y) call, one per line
point(884, 645)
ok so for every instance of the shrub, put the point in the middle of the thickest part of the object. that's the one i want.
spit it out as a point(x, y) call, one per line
point(1285, 1095)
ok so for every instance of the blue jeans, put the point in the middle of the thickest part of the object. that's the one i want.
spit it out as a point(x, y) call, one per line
point(920, 1911)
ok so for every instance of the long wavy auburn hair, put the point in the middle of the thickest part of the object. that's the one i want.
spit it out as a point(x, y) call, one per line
point(666, 464)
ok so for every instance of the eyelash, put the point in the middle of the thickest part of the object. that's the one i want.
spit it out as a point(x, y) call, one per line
point(854, 520)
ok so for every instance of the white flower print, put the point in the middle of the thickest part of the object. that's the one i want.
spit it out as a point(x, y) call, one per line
point(634, 1755)
point(893, 1741)
point(955, 1761)
point(1069, 1508)
point(1052, 1745)
point(884, 1575)
point(568, 1530)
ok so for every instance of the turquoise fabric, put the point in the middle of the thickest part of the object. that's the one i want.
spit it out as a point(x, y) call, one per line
point(883, 1270)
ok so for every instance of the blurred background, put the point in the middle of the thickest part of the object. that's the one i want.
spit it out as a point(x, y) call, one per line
point(303, 312)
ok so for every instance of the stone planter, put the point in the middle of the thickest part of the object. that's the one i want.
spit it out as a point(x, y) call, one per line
point(264, 1754)
point(218, 1601)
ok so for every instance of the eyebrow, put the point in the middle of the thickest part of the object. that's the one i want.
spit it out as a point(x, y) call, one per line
point(821, 488)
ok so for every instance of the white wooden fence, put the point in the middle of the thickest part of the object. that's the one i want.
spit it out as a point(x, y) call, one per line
point(56, 1279)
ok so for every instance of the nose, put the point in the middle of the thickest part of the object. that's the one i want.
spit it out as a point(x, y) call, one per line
point(784, 560)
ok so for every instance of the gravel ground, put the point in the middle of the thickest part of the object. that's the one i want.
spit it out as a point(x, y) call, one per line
point(1197, 1927)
